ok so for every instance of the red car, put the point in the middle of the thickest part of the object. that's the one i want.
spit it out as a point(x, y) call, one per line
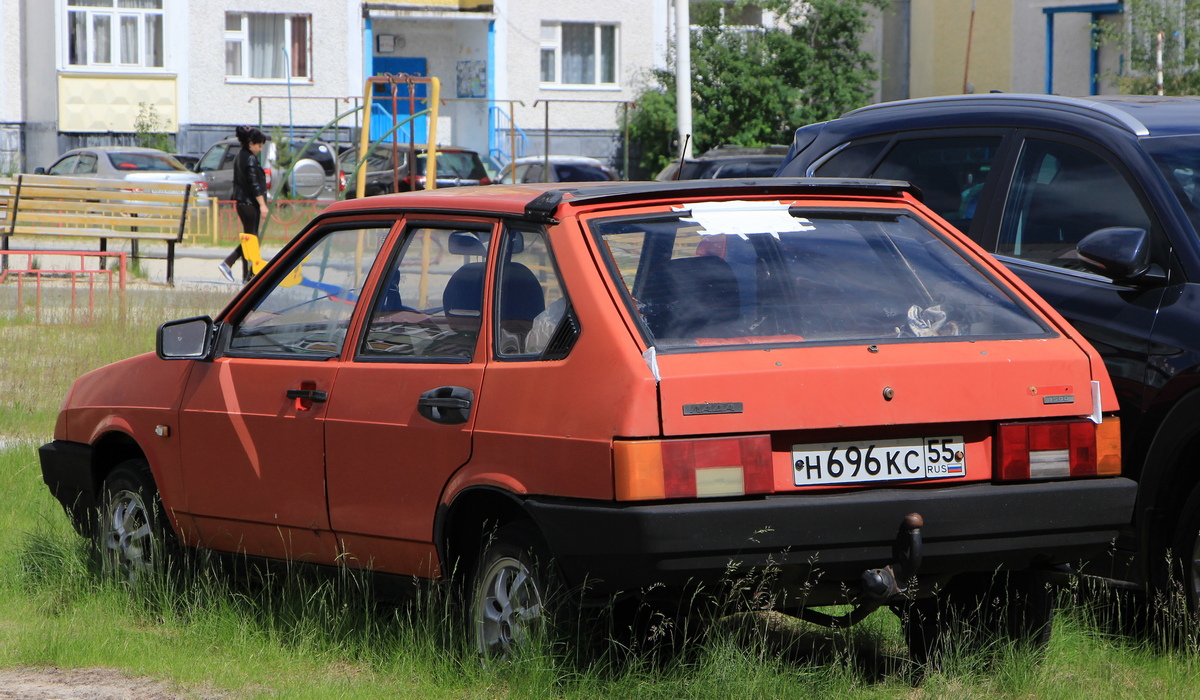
point(619, 387)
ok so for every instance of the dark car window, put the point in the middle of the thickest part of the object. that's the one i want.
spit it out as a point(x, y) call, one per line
point(757, 168)
point(852, 161)
point(578, 172)
point(230, 156)
point(532, 173)
point(64, 167)
point(1061, 193)
point(949, 171)
point(126, 161)
point(1178, 158)
point(87, 163)
point(431, 308)
point(463, 164)
point(211, 160)
point(697, 280)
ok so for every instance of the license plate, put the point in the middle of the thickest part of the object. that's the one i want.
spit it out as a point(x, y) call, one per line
point(878, 460)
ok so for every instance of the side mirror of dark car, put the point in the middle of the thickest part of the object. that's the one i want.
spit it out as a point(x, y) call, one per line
point(39, 170)
point(185, 339)
point(1119, 252)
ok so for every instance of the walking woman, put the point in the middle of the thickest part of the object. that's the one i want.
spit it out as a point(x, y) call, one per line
point(249, 190)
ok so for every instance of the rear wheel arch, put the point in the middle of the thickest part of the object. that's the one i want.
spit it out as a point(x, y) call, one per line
point(461, 528)
point(1169, 474)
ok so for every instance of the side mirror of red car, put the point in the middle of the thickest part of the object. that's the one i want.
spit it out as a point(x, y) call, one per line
point(185, 339)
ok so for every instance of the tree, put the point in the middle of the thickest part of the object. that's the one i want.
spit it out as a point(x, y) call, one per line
point(752, 86)
point(1179, 22)
point(150, 133)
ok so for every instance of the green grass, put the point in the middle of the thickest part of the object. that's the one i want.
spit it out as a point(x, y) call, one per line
point(301, 636)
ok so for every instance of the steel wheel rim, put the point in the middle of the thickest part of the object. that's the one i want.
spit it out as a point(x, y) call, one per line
point(508, 607)
point(128, 537)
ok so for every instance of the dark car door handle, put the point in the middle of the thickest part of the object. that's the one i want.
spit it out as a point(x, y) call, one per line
point(308, 395)
point(448, 405)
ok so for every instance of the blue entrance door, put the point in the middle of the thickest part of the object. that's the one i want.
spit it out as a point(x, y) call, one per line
point(381, 111)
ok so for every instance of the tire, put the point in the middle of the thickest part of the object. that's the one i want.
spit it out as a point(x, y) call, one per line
point(513, 592)
point(978, 609)
point(1185, 558)
point(133, 537)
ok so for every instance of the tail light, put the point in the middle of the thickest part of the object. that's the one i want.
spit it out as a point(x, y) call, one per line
point(1058, 450)
point(705, 468)
point(201, 185)
point(341, 181)
point(485, 180)
point(267, 173)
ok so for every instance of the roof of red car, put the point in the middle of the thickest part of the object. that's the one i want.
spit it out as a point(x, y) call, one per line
point(541, 200)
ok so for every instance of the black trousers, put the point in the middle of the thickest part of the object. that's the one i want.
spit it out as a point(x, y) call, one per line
point(248, 214)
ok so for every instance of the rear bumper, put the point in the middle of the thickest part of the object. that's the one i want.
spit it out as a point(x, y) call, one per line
point(976, 527)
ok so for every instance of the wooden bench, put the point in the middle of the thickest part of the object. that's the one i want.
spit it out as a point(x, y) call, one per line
point(49, 205)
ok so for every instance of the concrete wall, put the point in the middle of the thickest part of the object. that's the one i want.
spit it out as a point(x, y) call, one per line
point(938, 47)
point(11, 88)
point(578, 128)
point(212, 101)
point(39, 83)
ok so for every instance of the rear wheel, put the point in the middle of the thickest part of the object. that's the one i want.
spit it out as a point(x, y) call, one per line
point(512, 592)
point(133, 536)
point(978, 609)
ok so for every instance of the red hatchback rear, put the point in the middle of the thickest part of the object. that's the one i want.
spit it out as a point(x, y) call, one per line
point(631, 389)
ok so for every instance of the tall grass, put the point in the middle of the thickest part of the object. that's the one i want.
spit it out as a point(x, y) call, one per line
point(221, 627)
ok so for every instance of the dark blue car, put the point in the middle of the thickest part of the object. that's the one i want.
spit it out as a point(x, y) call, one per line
point(1095, 203)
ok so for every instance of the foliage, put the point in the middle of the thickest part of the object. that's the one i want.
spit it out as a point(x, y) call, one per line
point(1179, 21)
point(150, 131)
point(752, 86)
point(285, 155)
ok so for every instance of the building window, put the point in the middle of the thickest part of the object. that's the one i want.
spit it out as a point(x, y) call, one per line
point(260, 46)
point(579, 53)
point(115, 34)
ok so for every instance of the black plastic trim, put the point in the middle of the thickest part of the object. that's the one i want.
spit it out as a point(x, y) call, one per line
point(67, 471)
point(968, 527)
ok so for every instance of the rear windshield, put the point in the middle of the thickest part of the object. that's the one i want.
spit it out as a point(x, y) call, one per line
point(732, 273)
point(463, 164)
point(144, 161)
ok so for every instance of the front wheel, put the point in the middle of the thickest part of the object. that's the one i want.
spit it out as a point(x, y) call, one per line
point(133, 536)
point(513, 584)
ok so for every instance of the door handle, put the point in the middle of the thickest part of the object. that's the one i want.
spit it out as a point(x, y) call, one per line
point(306, 395)
point(448, 405)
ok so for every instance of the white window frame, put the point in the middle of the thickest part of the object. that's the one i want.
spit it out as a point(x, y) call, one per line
point(242, 36)
point(555, 45)
point(114, 13)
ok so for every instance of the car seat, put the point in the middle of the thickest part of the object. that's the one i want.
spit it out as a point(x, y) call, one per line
point(695, 297)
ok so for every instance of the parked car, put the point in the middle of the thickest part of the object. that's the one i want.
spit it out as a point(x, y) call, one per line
point(128, 163)
point(387, 165)
point(639, 387)
point(562, 169)
point(316, 175)
point(1094, 203)
point(728, 162)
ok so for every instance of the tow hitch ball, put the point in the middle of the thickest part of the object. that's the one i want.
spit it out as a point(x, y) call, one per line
point(881, 585)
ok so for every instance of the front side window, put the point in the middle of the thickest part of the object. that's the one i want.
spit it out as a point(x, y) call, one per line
point(1061, 193)
point(736, 273)
point(430, 307)
point(115, 34)
point(64, 167)
point(579, 53)
point(307, 312)
point(267, 46)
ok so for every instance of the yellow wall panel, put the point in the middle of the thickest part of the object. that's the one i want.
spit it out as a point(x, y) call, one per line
point(938, 58)
point(99, 102)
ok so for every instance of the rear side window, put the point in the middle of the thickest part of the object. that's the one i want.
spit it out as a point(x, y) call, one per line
point(733, 273)
point(462, 164)
point(950, 172)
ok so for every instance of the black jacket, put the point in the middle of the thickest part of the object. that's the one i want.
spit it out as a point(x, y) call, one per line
point(249, 180)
